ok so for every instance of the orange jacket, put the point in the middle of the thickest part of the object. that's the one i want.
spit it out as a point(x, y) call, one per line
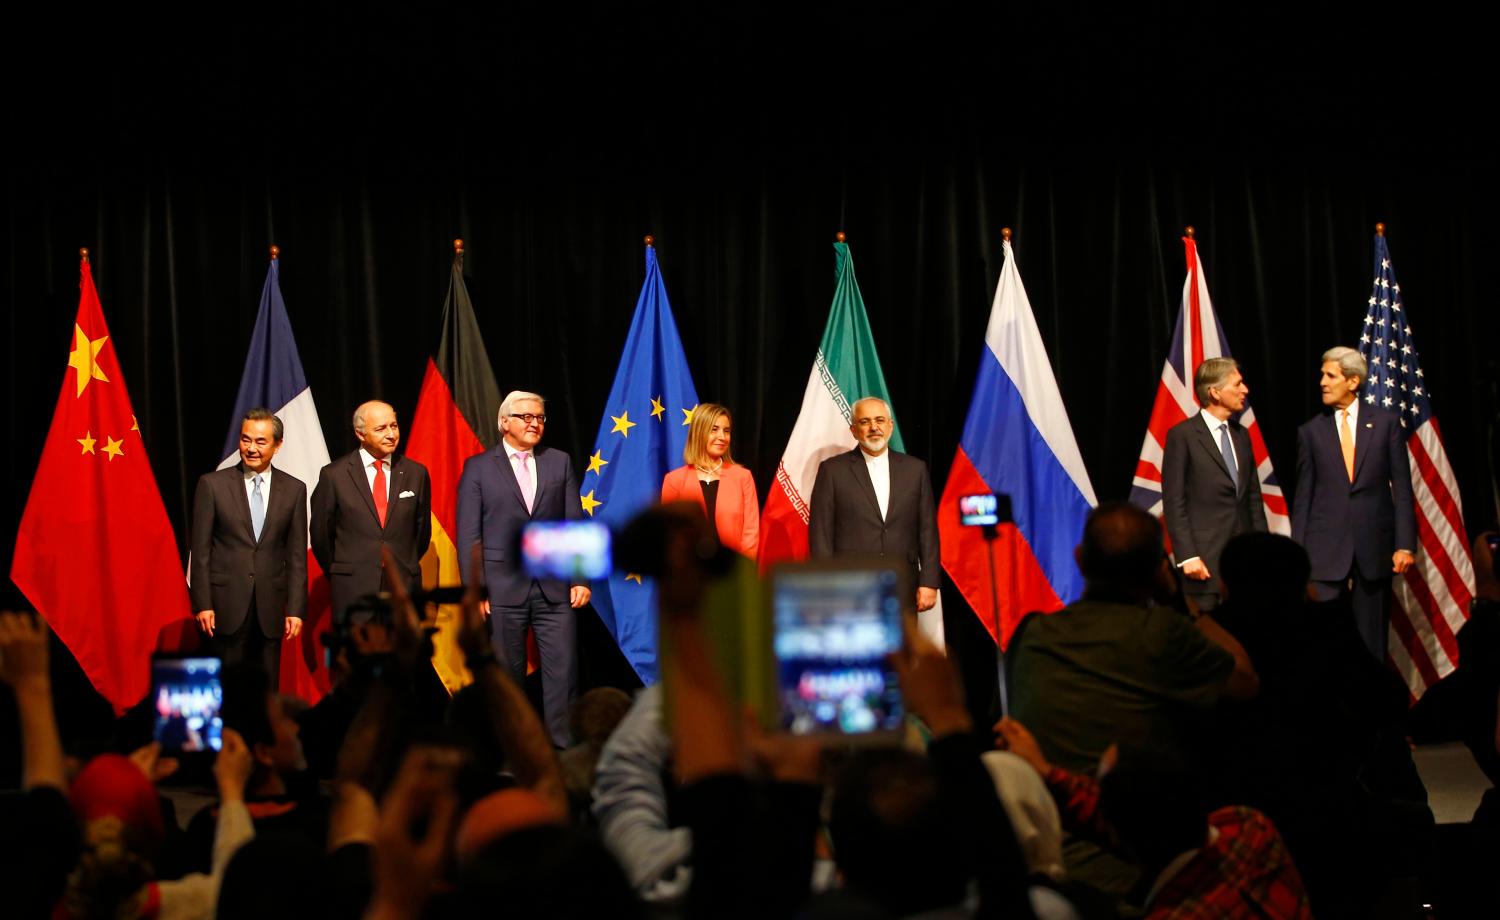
point(736, 512)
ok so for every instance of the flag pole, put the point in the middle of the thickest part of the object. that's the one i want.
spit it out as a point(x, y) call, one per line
point(1191, 233)
point(650, 241)
point(1380, 229)
point(83, 254)
point(991, 534)
point(275, 253)
point(840, 237)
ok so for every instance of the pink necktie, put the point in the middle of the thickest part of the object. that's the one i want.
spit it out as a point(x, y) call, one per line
point(523, 476)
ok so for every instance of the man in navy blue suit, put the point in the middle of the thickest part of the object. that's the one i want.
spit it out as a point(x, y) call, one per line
point(500, 491)
point(1353, 510)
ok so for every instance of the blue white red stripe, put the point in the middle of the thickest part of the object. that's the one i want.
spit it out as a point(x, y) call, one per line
point(273, 378)
point(1017, 441)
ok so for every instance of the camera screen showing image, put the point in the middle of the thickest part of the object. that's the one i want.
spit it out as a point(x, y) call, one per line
point(567, 550)
point(834, 628)
point(187, 696)
point(983, 510)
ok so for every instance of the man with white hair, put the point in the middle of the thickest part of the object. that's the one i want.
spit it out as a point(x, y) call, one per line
point(1353, 509)
point(500, 491)
point(876, 502)
point(368, 501)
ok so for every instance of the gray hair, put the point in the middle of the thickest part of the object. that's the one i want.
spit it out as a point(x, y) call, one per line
point(855, 405)
point(260, 415)
point(1212, 374)
point(1351, 363)
point(359, 414)
point(515, 396)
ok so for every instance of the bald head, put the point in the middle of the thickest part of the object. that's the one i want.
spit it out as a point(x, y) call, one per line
point(1121, 551)
point(375, 426)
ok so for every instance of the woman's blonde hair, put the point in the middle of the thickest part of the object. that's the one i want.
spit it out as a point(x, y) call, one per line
point(696, 449)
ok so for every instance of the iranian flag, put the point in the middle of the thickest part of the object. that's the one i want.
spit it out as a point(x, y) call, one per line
point(846, 369)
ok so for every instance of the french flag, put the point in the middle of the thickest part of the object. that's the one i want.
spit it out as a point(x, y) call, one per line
point(1017, 441)
point(273, 379)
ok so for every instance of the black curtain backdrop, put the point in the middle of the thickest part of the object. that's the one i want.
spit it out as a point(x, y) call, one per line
point(363, 140)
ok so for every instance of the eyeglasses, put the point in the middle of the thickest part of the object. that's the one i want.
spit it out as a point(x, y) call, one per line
point(880, 420)
point(527, 418)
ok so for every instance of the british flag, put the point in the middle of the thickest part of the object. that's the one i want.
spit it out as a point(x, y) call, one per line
point(1432, 598)
point(1198, 336)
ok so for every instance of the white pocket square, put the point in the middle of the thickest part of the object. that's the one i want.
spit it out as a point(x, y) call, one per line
point(407, 494)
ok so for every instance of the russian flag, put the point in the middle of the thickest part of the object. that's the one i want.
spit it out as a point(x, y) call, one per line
point(273, 378)
point(1017, 441)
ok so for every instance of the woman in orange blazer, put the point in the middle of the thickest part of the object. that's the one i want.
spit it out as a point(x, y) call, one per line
point(724, 489)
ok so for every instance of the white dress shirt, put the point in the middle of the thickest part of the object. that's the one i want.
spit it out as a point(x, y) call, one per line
point(369, 465)
point(880, 477)
point(1213, 428)
point(265, 486)
point(515, 467)
point(1338, 421)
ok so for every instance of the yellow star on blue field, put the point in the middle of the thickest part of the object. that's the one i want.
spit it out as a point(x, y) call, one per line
point(623, 424)
point(657, 408)
point(113, 448)
point(687, 415)
point(84, 358)
point(590, 502)
point(596, 464)
point(88, 441)
point(633, 577)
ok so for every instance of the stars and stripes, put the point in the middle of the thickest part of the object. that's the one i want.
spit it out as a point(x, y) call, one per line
point(1432, 598)
point(1197, 337)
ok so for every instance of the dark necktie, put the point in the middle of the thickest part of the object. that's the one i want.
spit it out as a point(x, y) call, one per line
point(1228, 453)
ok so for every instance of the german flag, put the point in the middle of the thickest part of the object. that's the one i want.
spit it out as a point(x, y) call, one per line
point(455, 419)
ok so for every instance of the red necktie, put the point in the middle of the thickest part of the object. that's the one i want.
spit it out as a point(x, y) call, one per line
point(379, 491)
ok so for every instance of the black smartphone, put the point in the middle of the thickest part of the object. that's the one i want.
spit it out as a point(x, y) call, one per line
point(984, 510)
point(835, 624)
point(571, 551)
point(187, 694)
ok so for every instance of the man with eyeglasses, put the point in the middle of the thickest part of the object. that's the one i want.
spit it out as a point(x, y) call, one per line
point(500, 491)
point(368, 501)
point(873, 501)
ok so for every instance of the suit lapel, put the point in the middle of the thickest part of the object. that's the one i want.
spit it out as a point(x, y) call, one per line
point(398, 485)
point(1215, 454)
point(862, 476)
point(362, 485)
point(1245, 454)
point(1364, 438)
point(508, 474)
point(536, 472)
point(271, 493)
point(242, 500)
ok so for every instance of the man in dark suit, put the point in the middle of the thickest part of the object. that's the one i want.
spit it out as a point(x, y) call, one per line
point(1209, 488)
point(499, 492)
point(368, 501)
point(873, 501)
point(1353, 510)
point(249, 551)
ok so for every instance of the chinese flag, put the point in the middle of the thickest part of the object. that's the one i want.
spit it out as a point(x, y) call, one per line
point(96, 554)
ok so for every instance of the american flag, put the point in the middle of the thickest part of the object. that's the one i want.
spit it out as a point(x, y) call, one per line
point(1432, 598)
point(1198, 336)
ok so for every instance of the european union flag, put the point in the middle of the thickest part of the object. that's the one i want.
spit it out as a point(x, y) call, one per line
point(640, 439)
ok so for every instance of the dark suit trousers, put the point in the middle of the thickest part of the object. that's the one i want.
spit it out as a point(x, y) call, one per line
point(250, 643)
point(1368, 599)
point(556, 637)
